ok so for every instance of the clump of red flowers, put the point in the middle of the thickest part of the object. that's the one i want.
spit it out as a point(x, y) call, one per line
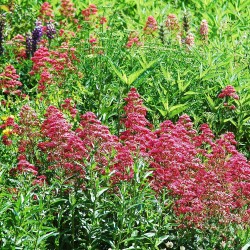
point(89, 12)
point(67, 9)
point(68, 105)
point(105, 147)
point(229, 91)
point(207, 178)
point(28, 131)
point(172, 22)
point(9, 82)
point(199, 171)
point(133, 39)
point(49, 64)
point(9, 128)
point(64, 149)
point(137, 137)
point(46, 12)
point(204, 30)
point(150, 26)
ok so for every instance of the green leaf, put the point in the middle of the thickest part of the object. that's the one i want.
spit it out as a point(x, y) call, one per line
point(149, 235)
point(135, 75)
point(5, 7)
point(99, 193)
point(210, 102)
point(161, 239)
point(166, 74)
point(177, 109)
point(163, 112)
point(40, 239)
point(120, 74)
point(246, 246)
point(191, 93)
point(230, 120)
point(5, 207)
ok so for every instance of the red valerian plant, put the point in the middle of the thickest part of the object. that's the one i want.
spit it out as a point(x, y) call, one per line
point(89, 12)
point(67, 9)
point(70, 150)
point(9, 82)
point(204, 30)
point(137, 137)
point(229, 95)
point(46, 12)
point(48, 64)
point(29, 132)
point(208, 178)
point(64, 149)
point(133, 39)
point(229, 91)
point(150, 26)
point(69, 106)
point(9, 128)
point(172, 22)
point(105, 147)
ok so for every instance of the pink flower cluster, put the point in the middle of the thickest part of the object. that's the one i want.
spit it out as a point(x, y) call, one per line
point(137, 137)
point(133, 39)
point(67, 9)
point(9, 128)
point(189, 40)
point(29, 131)
point(204, 29)
point(9, 82)
point(108, 151)
point(172, 22)
point(46, 12)
point(150, 26)
point(69, 150)
point(89, 12)
point(91, 16)
point(206, 177)
point(63, 147)
point(68, 105)
point(50, 63)
point(230, 92)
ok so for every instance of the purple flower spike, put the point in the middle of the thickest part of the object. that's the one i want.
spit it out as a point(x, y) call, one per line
point(51, 30)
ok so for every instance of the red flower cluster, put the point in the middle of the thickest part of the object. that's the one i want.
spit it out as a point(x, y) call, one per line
point(52, 63)
point(67, 9)
point(150, 26)
point(90, 11)
point(172, 22)
point(64, 149)
point(69, 106)
point(18, 46)
point(230, 92)
point(137, 138)
point(133, 39)
point(207, 177)
point(23, 166)
point(204, 30)
point(46, 12)
point(69, 150)
point(28, 131)
point(107, 149)
point(9, 128)
point(9, 81)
